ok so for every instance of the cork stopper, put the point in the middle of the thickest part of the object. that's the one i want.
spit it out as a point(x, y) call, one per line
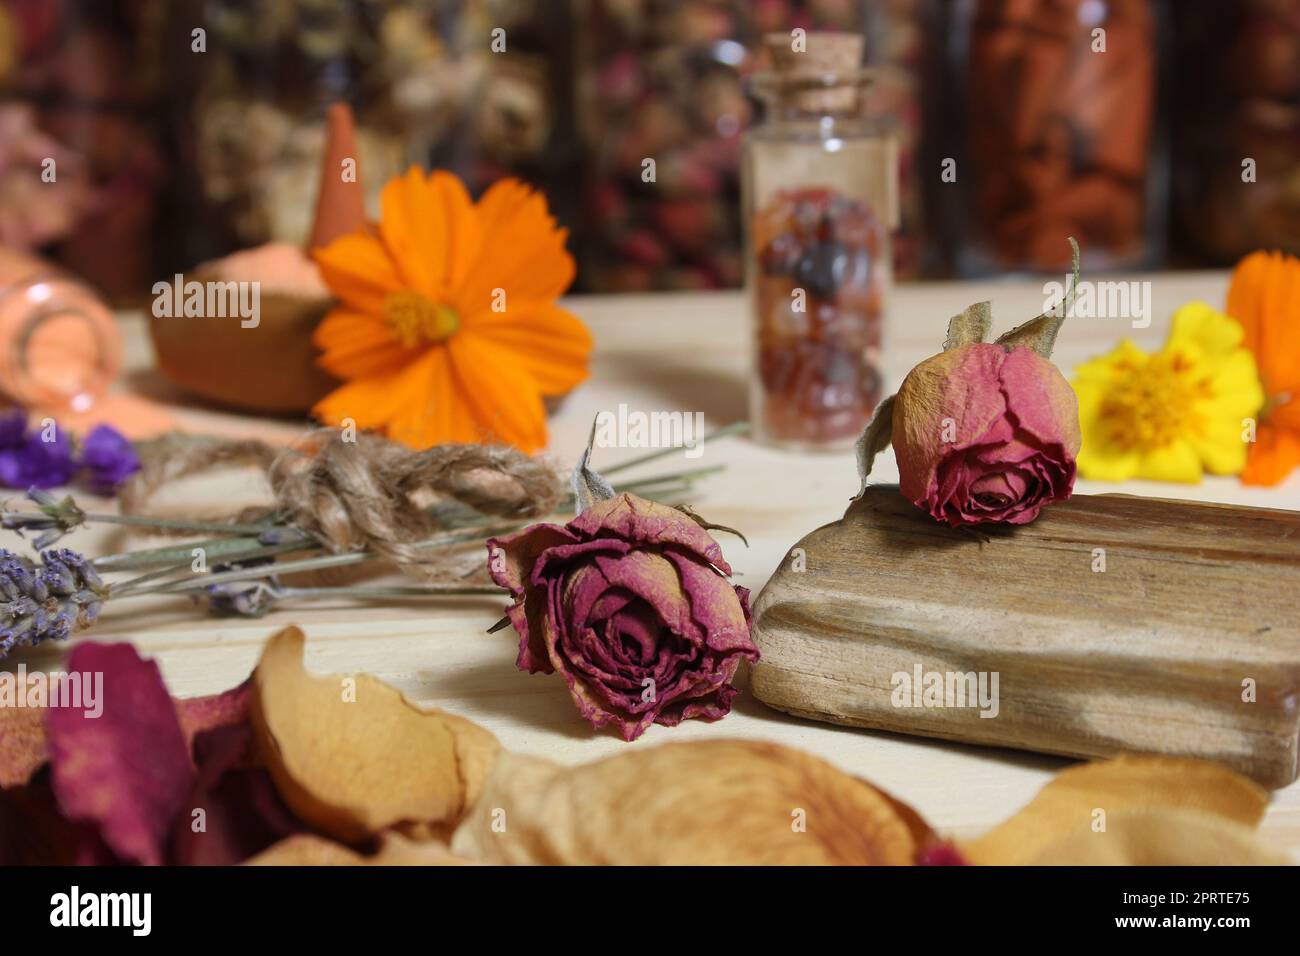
point(816, 71)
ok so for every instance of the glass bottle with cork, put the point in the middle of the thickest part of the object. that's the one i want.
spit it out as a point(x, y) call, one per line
point(60, 348)
point(819, 198)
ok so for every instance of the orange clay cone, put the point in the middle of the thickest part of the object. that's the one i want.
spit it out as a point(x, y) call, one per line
point(340, 203)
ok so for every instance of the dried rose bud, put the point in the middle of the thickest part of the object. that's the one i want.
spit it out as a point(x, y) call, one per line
point(983, 432)
point(986, 433)
point(631, 604)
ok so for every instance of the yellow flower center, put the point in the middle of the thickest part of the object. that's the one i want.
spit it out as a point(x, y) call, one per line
point(418, 320)
point(1153, 403)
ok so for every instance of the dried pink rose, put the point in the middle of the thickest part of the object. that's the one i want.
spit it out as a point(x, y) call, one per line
point(983, 431)
point(630, 603)
point(986, 433)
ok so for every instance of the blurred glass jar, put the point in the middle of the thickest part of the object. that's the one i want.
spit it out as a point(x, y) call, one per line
point(1056, 134)
point(819, 197)
point(423, 79)
point(60, 348)
point(1237, 129)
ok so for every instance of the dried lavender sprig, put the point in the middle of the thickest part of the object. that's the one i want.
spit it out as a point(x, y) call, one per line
point(46, 601)
point(64, 594)
point(143, 559)
point(57, 517)
point(201, 581)
point(54, 518)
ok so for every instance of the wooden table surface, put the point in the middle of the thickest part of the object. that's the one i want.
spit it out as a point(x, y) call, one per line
point(686, 352)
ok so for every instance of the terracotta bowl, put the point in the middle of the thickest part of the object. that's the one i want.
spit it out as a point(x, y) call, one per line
point(269, 368)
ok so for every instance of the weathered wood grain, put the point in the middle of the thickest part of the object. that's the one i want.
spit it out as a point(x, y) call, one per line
point(1196, 604)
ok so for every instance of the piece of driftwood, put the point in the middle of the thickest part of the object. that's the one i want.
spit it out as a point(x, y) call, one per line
point(1111, 624)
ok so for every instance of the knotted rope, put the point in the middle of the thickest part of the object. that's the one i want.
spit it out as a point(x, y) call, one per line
point(361, 491)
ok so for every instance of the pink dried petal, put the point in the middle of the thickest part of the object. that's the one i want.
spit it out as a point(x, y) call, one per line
point(943, 853)
point(648, 523)
point(511, 562)
point(128, 770)
point(1041, 401)
point(200, 714)
point(34, 833)
point(240, 812)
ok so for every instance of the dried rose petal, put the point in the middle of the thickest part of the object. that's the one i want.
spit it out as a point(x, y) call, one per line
point(233, 812)
point(128, 770)
point(307, 849)
point(22, 744)
point(200, 714)
point(352, 757)
point(942, 853)
point(34, 833)
point(728, 802)
point(1127, 784)
point(23, 739)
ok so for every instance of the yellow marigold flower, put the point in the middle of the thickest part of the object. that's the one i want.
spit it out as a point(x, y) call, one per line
point(1170, 415)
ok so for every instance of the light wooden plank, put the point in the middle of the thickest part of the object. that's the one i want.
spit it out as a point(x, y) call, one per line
point(669, 352)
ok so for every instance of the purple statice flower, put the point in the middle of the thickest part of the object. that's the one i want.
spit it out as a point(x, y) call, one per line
point(46, 601)
point(34, 462)
point(109, 459)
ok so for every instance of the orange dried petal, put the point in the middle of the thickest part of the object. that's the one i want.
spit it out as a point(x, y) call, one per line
point(305, 849)
point(22, 744)
point(710, 802)
point(1163, 837)
point(351, 756)
point(1089, 794)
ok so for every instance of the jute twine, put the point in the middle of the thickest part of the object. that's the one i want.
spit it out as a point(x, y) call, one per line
point(359, 491)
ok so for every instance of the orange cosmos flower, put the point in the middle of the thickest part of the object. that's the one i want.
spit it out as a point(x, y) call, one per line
point(447, 328)
point(1264, 297)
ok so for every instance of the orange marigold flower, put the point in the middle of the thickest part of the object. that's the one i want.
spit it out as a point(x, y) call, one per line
point(447, 328)
point(1264, 297)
